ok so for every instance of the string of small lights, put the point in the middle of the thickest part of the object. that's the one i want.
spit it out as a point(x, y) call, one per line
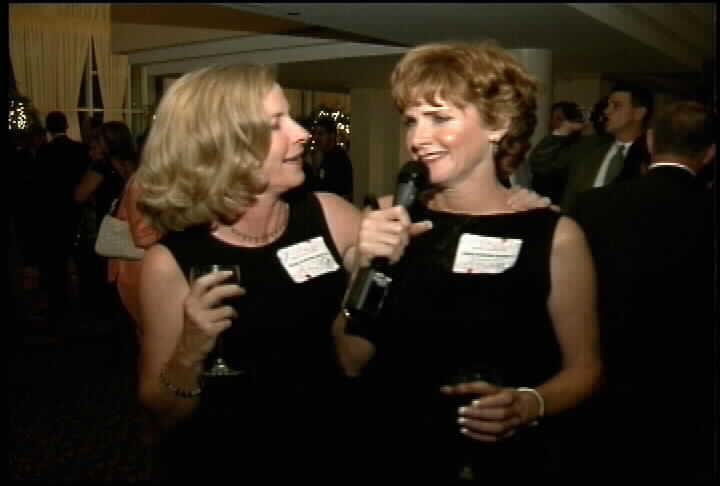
point(341, 119)
point(18, 119)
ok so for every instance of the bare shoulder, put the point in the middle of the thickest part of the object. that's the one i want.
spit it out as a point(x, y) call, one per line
point(159, 265)
point(162, 288)
point(569, 246)
point(334, 203)
point(568, 233)
point(342, 217)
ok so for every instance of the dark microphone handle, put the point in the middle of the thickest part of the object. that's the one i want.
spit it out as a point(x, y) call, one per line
point(367, 295)
point(372, 284)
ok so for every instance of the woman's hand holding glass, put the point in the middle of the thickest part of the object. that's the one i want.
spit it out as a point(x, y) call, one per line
point(207, 313)
point(493, 412)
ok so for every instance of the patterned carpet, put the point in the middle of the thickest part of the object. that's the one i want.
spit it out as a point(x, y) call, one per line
point(74, 416)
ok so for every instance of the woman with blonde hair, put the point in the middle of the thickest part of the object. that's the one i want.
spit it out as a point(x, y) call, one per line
point(504, 336)
point(217, 168)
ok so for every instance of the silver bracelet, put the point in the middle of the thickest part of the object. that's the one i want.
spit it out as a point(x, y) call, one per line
point(177, 391)
point(540, 400)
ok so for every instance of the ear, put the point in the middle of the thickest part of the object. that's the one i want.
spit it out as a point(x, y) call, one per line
point(650, 141)
point(639, 113)
point(709, 154)
point(494, 136)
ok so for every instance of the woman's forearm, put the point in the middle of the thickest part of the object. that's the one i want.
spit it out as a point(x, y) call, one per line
point(173, 394)
point(354, 352)
point(569, 388)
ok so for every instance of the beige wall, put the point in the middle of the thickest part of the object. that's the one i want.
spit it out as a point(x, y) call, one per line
point(304, 102)
point(583, 89)
point(376, 149)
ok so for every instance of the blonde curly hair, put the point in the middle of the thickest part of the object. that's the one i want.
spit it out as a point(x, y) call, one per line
point(201, 157)
point(483, 75)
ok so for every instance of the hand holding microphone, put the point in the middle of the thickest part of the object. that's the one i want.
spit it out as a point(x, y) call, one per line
point(384, 234)
point(383, 237)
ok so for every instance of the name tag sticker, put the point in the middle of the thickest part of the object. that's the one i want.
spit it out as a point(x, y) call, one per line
point(485, 254)
point(308, 259)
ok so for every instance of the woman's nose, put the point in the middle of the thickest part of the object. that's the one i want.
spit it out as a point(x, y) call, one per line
point(303, 135)
point(418, 136)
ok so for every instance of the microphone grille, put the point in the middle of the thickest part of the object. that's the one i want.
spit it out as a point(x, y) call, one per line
point(414, 171)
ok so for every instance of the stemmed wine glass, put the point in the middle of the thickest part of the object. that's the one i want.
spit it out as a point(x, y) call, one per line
point(468, 374)
point(219, 366)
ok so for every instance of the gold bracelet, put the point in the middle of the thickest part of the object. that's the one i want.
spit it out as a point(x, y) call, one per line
point(540, 400)
point(177, 391)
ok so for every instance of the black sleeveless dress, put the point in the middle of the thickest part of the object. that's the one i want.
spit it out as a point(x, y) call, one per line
point(277, 419)
point(469, 295)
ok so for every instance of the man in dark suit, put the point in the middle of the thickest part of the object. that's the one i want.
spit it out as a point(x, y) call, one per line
point(592, 160)
point(61, 163)
point(331, 165)
point(566, 125)
point(652, 238)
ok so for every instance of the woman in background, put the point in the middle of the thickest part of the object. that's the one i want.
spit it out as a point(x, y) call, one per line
point(113, 160)
point(126, 273)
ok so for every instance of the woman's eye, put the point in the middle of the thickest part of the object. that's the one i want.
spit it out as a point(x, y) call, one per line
point(440, 119)
point(408, 122)
point(275, 123)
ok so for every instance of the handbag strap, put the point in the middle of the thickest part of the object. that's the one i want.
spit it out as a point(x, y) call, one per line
point(114, 202)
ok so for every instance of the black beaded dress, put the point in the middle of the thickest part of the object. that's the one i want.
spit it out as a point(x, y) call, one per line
point(276, 420)
point(468, 295)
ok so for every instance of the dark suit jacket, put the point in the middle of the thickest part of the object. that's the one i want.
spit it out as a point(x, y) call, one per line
point(335, 173)
point(652, 238)
point(61, 164)
point(583, 160)
point(549, 170)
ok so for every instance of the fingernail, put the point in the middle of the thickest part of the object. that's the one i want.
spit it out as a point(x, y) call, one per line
point(461, 420)
point(475, 403)
point(462, 410)
point(463, 431)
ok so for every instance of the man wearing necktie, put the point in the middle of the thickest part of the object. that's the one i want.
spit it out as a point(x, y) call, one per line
point(594, 161)
point(612, 165)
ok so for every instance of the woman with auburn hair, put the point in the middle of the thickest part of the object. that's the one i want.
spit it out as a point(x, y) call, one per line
point(504, 336)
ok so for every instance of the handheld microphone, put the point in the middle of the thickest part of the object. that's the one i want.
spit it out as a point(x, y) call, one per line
point(372, 283)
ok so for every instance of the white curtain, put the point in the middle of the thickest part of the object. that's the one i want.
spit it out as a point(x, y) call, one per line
point(34, 54)
point(113, 77)
point(70, 74)
point(48, 47)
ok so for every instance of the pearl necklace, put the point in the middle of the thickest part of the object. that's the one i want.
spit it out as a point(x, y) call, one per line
point(264, 238)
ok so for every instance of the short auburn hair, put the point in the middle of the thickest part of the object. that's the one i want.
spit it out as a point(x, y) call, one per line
point(483, 75)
